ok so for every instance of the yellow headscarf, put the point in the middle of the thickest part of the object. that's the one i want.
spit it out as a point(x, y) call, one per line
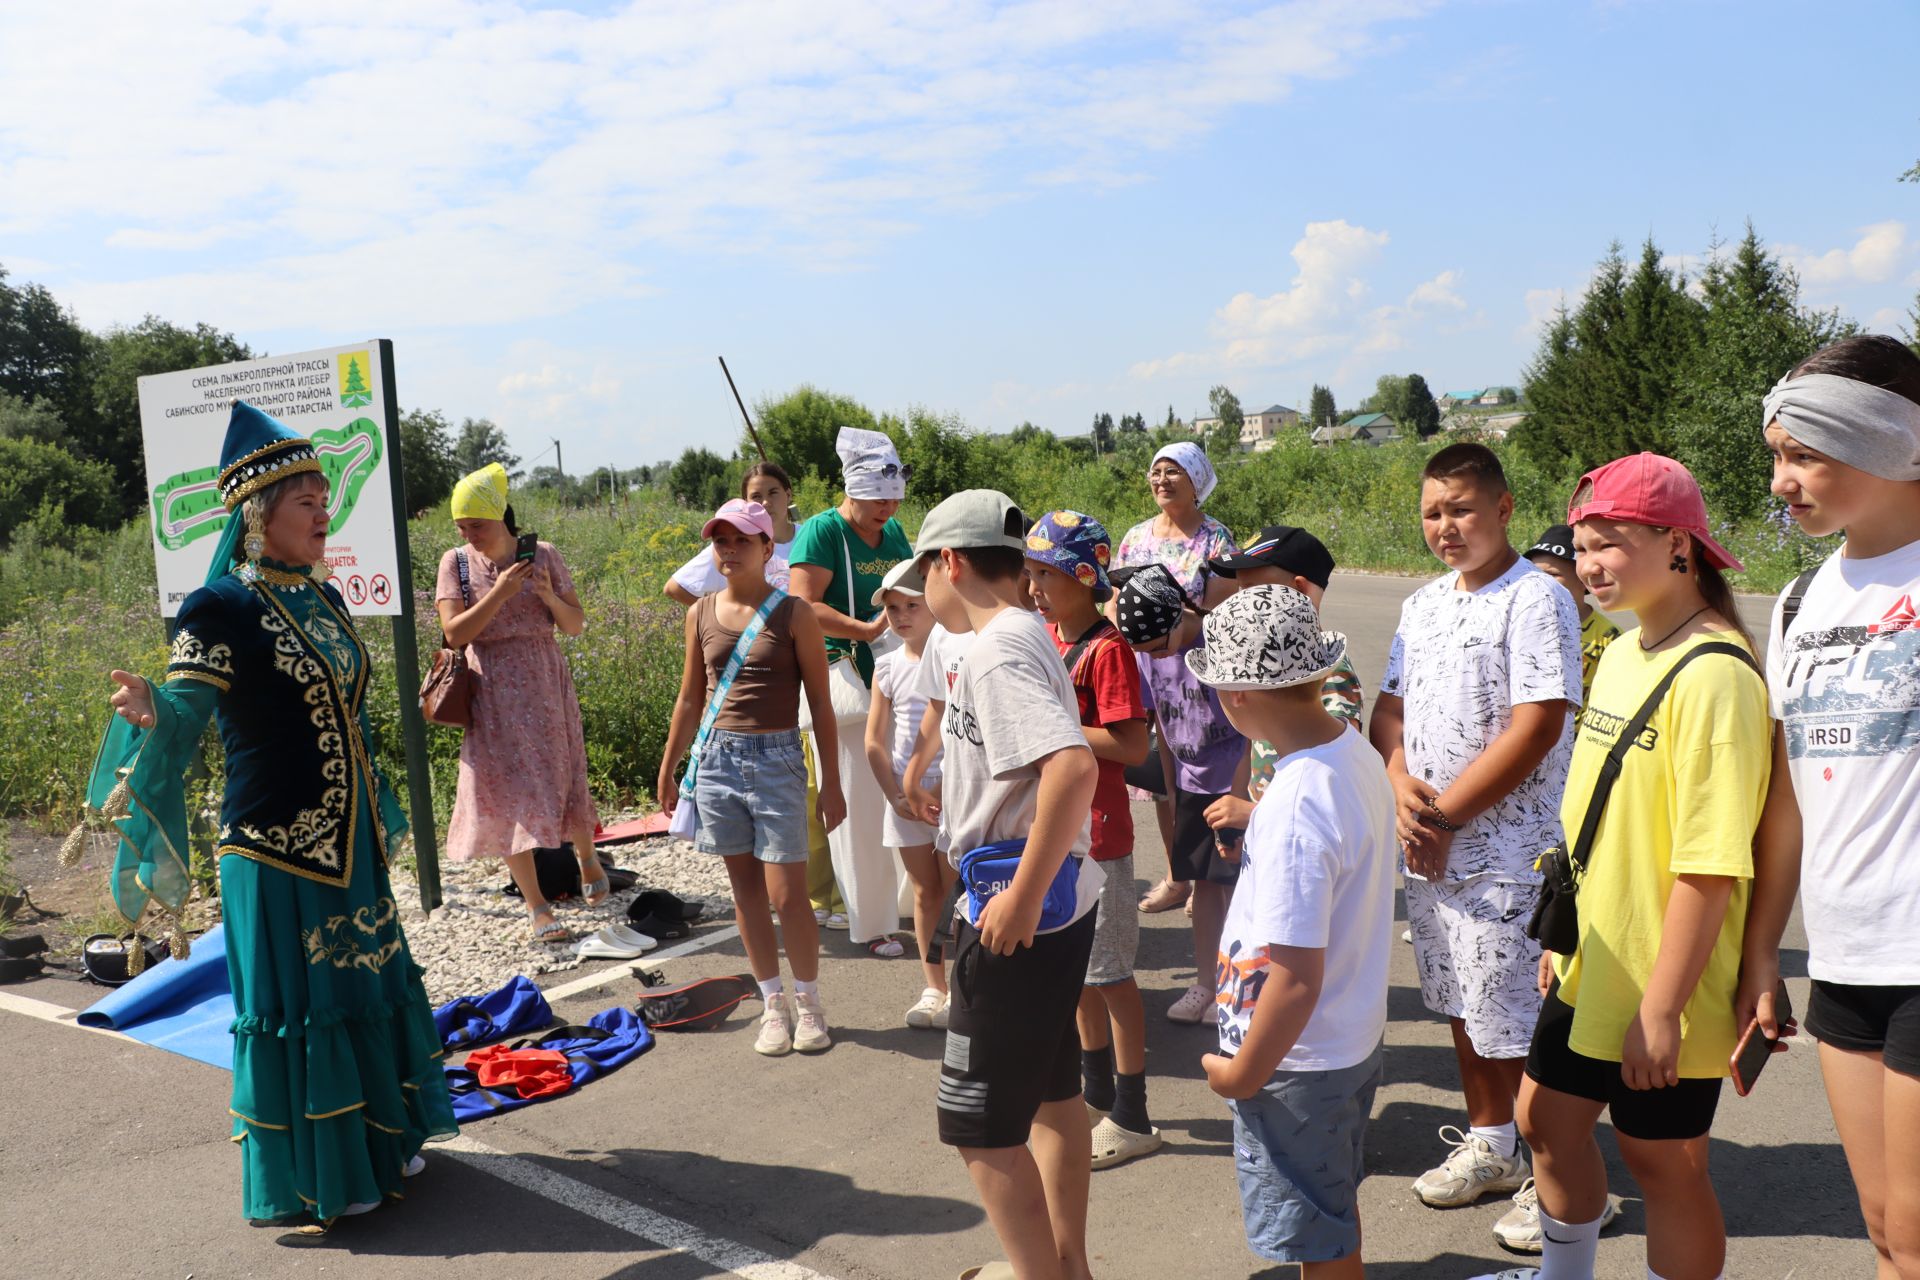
point(482, 495)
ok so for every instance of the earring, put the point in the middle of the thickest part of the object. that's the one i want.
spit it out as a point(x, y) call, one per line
point(254, 544)
point(1679, 564)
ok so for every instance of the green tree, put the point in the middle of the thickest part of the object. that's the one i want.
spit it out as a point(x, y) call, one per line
point(1321, 410)
point(426, 459)
point(1173, 419)
point(945, 456)
point(50, 487)
point(1913, 325)
point(22, 419)
point(1754, 331)
point(481, 441)
point(1389, 397)
point(1133, 423)
point(1225, 437)
point(123, 356)
point(800, 427)
point(1419, 415)
point(1103, 433)
point(699, 479)
point(45, 356)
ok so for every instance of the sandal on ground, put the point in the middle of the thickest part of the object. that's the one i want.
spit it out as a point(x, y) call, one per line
point(308, 1232)
point(1114, 1145)
point(990, 1271)
point(1165, 896)
point(550, 932)
point(887, 947)
point(594, 892)
point(836, 920)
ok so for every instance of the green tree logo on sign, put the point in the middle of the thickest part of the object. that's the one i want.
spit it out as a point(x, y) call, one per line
point(353, 382)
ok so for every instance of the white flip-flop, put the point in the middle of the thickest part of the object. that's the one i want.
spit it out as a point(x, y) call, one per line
point(615, 942)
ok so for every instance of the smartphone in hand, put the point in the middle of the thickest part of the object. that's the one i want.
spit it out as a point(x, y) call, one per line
point(1751, 1054)
point(527, 547)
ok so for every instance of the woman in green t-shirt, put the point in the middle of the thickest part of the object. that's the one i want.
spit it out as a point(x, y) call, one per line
point(838, 560)
point(1639, 1020)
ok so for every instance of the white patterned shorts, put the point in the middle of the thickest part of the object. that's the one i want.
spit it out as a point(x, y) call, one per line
point(1475, 959)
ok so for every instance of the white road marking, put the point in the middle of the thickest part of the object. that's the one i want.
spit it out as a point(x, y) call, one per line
point(649, 1225)
point(47, 1011)
point(624, 970)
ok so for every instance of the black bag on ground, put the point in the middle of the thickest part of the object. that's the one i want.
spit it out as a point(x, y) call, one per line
point(559, 873)
point(696, 1006)
point(1556, 917)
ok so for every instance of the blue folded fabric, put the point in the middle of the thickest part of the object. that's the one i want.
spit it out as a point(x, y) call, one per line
point(182, 1006)
point(471, 1021)
point(619, 1037)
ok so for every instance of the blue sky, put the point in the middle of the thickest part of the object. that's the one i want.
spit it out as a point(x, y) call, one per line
point(561, 214)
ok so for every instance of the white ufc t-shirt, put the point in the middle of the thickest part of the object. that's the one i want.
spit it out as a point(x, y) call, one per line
point(1845, 683)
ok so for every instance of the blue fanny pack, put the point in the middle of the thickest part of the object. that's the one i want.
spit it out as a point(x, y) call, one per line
point(986, 871)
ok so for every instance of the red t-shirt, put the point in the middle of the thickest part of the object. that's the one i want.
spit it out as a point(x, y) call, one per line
point(1106, 680)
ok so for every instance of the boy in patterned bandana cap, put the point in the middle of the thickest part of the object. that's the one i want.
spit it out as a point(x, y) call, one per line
point(1067, 555)
point(1302, 970)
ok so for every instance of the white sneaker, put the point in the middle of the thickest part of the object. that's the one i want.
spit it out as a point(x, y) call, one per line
point(1193, 1006)
point(1512, 1273)
point(774, 1039)
point(415, 1167)
point(946, 1009)
point(1471, 1170)
point(810, 1025)
point(1519, 1229)
point(929, 1011)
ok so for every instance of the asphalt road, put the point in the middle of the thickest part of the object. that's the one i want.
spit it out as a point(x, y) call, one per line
point(115, 1158)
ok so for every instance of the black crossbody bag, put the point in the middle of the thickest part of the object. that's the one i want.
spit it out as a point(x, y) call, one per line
point(1556, 919)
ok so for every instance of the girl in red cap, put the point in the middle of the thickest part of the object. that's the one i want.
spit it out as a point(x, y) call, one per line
point(1639, 1018)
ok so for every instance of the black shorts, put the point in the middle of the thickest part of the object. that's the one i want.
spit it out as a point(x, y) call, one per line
point(1683, 1110)
point(1882, 1020)
point(1011, 1040)
point(1195, 855)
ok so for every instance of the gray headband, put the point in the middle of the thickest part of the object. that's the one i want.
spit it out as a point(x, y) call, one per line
point(1857, 423)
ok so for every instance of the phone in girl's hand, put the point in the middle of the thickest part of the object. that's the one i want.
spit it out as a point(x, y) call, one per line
point(1755, 1047)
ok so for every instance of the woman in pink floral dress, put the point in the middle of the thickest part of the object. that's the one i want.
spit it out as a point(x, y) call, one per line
point(523, 761)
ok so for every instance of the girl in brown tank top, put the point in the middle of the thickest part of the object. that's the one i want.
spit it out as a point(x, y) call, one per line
point(749, 775)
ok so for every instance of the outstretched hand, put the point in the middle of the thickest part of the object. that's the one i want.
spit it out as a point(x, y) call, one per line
point(133, 700)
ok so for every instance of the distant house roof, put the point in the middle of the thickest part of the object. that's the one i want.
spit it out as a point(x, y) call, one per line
point(1368, 420)
point(1274, 408)
point(1467, 395)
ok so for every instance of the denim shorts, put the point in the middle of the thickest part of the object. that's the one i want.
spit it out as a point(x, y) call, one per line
point(1298, 1150)
point(751, 789)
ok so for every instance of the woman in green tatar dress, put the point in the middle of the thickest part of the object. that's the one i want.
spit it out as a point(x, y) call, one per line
point(336, 1066)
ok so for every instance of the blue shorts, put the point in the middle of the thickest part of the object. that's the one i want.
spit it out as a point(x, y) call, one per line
point(751, 790)
point(1297, 1148)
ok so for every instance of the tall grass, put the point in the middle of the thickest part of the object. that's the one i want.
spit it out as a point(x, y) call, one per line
point(73, 608)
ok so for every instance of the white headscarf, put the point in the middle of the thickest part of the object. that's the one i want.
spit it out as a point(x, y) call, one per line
point(864, 459)
point(1192, 459)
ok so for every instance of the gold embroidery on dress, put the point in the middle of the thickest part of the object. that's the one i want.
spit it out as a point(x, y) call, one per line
point(335, 942)
point(190, 651)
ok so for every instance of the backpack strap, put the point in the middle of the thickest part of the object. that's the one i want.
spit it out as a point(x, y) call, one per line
point(1790, 604)
point(1080, 646)
point(1617, 754)
point(736, 660)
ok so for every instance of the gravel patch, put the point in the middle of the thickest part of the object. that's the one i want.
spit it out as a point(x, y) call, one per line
point(480, 936)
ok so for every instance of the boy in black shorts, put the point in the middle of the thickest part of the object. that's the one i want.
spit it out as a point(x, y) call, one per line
point(1016, 767)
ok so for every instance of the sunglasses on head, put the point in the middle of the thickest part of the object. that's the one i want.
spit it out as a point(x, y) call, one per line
point(887, 471)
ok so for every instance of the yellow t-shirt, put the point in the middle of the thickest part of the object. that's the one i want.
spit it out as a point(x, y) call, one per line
point(1687, 802)
point(1596, 633)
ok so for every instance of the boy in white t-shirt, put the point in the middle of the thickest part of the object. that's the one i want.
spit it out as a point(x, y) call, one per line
point(1473, 721)
point(1302, 974)
point(1016, 767)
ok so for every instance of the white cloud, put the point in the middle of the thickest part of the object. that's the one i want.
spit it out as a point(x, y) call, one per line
point(1879, 254)
point(451, 162)
point(1323, 309)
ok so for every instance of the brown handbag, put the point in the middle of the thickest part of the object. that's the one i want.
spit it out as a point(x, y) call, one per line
point(446, 695)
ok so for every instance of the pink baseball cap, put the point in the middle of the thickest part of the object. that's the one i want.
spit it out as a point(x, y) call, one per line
point(747, 517)
point(1652, 490)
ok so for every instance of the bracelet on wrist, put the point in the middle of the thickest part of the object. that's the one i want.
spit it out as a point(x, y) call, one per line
point(1440, 819)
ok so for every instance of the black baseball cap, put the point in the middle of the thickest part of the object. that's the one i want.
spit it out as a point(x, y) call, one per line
point(1556, 542)
point(1283, 547)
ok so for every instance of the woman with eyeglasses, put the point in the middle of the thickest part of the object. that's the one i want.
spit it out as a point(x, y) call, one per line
point(838, 561)
point(1183, 538)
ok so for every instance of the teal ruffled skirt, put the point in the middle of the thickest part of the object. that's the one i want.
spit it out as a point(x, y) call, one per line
point(337, 1077)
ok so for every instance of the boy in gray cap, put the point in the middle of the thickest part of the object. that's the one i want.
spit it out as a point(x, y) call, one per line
point(1016, 768)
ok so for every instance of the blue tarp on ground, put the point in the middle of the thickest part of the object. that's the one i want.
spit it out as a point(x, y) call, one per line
point(182, 1006)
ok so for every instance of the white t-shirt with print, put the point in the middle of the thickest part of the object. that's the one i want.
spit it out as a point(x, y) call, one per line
point(896, 676)
point(1317, 871)
point(1461, 661)
point(940, 662)
point(700, 577)
point(1845, 684)
point(1011, 706)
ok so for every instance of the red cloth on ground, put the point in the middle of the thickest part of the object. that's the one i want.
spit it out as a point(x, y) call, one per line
point(529, 1073)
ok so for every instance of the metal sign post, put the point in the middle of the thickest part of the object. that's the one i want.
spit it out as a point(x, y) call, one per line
point(406, 661)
